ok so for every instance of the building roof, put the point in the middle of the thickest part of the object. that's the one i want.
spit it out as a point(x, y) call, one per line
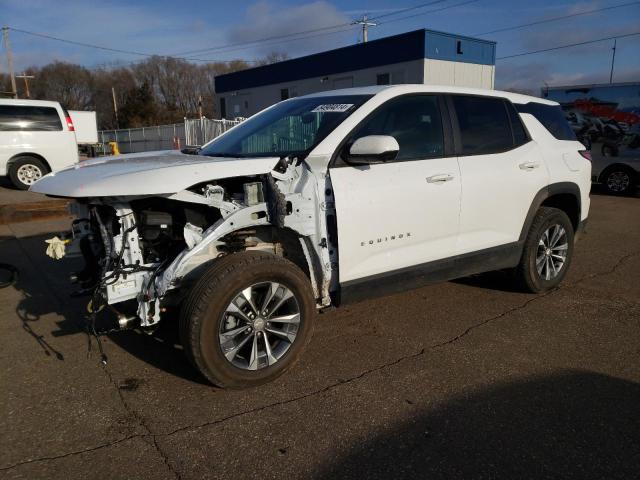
point(405, 47)
point(589, 86)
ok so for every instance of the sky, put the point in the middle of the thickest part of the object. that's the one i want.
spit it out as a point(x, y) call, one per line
point(188, 27)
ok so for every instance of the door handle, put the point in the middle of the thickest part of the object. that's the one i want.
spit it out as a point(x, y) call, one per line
point(529, 165)
point(440, 178)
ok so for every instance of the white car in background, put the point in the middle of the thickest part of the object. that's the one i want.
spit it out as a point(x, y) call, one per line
point(36, 137)
point(323, 200)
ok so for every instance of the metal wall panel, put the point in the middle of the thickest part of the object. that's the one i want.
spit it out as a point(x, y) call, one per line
point(444, 72)
point(445, 46)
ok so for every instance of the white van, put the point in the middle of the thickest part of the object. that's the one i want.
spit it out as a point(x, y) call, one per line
point(36, 137)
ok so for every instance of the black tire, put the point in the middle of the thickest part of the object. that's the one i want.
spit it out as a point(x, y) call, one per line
point(618, 180)
point(203, 310)
point(526, 273)
point(33, 165)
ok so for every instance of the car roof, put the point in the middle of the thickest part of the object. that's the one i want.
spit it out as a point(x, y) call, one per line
point(421, 88)
point(23, 102)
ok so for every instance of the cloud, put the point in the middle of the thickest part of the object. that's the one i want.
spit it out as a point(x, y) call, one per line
point(135, 26)
point(531, 77)
point(266, 19)
point(581, 7)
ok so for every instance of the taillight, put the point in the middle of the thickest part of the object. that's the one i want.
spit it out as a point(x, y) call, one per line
point(585, 154)
point(70, 124)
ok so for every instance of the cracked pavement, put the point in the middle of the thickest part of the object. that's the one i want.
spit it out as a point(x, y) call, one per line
point(465, 379)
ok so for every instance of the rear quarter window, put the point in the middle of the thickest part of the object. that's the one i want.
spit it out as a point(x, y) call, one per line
point(551, 117)
point(19, 118)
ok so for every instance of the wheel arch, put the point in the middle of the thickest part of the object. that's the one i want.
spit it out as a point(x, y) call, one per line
point(564, 196)
point(618, 165)
point(28, 154)
point(290, 247)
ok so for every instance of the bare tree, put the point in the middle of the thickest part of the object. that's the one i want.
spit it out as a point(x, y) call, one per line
point(71, 85)
point(157, 90)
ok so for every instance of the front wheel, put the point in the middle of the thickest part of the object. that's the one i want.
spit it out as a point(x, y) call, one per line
point(247, 319)
point(547, 251)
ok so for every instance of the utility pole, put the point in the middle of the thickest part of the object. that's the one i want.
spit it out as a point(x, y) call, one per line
point(365, 27)
point(115, 107)
point(26, 79)
point(613, 60)
point(7, 45)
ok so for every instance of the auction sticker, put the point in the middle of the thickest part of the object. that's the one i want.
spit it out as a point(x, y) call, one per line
point(332, 107)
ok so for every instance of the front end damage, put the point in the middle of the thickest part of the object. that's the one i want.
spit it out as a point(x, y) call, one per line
point(143, 251)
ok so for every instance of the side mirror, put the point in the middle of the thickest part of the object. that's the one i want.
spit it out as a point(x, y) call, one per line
point(373, 149)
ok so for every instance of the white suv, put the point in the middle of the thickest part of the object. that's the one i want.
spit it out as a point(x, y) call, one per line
point(323, 200)
point(36, 137)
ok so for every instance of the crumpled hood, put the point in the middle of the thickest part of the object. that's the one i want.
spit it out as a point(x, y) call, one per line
point(148, 173)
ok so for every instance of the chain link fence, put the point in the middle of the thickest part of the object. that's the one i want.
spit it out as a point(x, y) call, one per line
point(144, 139)
point(192, 133)
point(199, 131)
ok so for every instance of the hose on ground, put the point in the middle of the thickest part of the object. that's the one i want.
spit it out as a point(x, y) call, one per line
point(12, 275)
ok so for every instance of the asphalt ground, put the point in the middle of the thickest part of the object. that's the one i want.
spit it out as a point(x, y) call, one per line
point(464, 379)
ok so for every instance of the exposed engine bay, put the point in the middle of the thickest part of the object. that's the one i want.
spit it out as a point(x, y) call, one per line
point(144, 249)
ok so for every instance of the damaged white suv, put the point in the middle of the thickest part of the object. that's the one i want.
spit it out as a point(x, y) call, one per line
point(322, 200)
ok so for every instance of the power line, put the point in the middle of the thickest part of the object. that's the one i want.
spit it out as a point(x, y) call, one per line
point(568, 45)
point(429, 11)
point(109, 49)
point(272, 42)
point(251, 43)
point(248, 44)
point(350, 28)
point(88, 45)
point(402, 10)
point(563, 17)
point(261, 40)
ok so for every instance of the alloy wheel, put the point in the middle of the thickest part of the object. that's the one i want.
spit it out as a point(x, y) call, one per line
point(618, 181)
point(552, 252)
point(259, 326)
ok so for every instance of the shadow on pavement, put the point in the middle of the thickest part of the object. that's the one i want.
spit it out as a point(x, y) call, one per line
point(48, 291)
point(499, 280)
point(569, 425)
point(597, 189)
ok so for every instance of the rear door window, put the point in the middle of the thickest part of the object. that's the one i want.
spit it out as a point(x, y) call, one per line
point(485, 126)
point(19, 118)
point(552, 117)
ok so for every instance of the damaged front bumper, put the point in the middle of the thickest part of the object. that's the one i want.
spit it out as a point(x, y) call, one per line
point(118, 264)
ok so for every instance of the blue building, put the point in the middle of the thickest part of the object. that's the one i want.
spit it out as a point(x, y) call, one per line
point(420, 56)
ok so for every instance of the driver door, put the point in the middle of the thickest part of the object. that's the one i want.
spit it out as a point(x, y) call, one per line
point(397, 216)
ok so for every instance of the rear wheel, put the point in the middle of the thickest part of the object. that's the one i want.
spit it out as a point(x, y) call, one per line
point(619, 180)
point(25, 171)
point(547, 251)
point(247, 319)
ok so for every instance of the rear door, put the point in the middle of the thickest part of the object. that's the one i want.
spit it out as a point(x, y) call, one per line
point(401, 213)
point(502, 170)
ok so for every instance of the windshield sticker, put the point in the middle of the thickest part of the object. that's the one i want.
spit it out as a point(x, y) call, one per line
point(332, 107)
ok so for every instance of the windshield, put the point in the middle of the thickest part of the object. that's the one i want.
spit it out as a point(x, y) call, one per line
point(292, 127)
